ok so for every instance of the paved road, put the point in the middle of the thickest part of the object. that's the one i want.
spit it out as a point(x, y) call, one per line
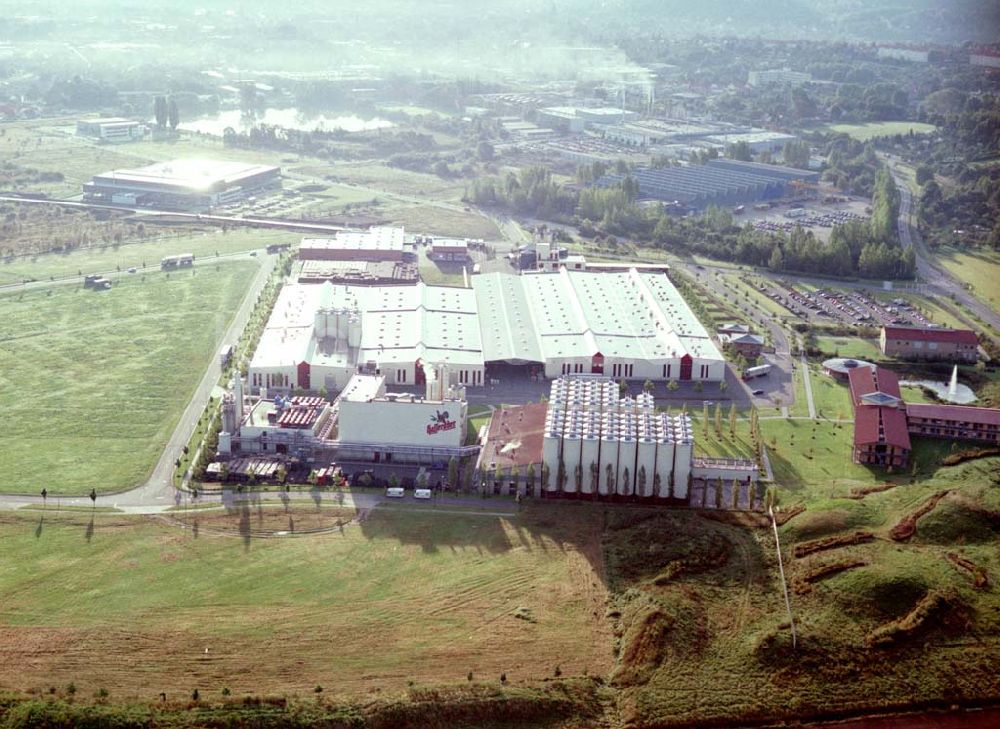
point(257, 222)
point(808, 387)
point(940, 280)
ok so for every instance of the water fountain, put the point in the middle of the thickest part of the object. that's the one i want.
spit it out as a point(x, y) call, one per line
point(951, 392)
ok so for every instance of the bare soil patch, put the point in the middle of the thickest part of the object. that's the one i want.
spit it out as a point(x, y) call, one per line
point(907, 526)
point(821, 545)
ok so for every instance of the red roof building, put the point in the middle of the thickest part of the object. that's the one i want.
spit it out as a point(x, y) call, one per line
point(954, 421)
point(952, 345)
point(881, 437)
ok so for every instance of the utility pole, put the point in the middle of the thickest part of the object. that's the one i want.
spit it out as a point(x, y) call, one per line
point(781, 569)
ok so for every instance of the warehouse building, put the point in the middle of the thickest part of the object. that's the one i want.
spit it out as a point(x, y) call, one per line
point(778, 77)
point(720, 182)
point(625, 324)
point(757, 141)
point(183, 184)
point(378, 243)
point(113, 130)
point(629, 324)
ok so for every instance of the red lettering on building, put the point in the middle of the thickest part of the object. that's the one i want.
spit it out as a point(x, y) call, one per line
point(438, 427)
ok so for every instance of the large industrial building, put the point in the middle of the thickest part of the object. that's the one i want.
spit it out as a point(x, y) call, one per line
point(183, 184)
point(364, 423)
point(720, 182)
point(627, 325)
point(320, 335)
point(919, 343)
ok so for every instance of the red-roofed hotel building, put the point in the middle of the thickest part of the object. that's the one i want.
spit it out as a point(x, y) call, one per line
point(881, 437)
point(951, 345)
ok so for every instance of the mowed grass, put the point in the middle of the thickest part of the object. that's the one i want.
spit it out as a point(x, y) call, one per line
point(92, 383)
point(856, 347)
point(441, 221)
point(979, 269)
point(141, 606)
point(137, 253)
point(864, 132)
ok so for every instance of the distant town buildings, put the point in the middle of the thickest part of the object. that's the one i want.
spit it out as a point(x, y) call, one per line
point(113, 130)
point(778, 77)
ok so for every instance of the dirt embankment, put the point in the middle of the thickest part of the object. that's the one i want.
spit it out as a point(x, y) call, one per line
point(907, 526)
point(860, 493)
point(805, 582)
point(935, 606)
point(980, 580)
point(821, 545)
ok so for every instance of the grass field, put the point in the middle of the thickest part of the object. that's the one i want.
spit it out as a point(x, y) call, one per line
point(441, 221)
point(864, 132)
point(139, 252)
point(850, 347)
point(92, 383)
point(979, 269)
point(141, 606)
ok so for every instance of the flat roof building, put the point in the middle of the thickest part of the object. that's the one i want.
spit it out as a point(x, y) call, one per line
point(623, 325)
point(184, 184)
point(111, 129)
point(378, 243)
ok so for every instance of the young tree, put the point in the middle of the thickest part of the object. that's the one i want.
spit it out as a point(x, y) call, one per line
point(546, 475)
point(718, 420)
point(393, 480)
point(453, 472)
point(160, 111)
point(647, 386)
point(704, 419)
point(173, 115)
point(529, 480)
point(281, 474)
point(718, 493)
point(732, 420)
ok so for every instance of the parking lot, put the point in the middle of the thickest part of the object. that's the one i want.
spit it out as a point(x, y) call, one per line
point(819, 216)
point(846, 308)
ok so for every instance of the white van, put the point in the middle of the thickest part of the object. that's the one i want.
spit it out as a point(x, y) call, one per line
point(395, 492)
point(422, 493)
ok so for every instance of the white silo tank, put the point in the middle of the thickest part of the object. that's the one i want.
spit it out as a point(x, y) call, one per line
point(551, 445)
point(683, 456)
point(627, 450)
point(645, 459)
point(354, 330)
point(572, 445)
point(609, 457)
point(590, 454)
point(664, 464)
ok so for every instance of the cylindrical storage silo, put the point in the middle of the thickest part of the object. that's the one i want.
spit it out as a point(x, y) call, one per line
point(627, 449)
point(664, 464)
point(683, 456)
point(551, 445)
point(645, 466)
point(572, 444)
point(590, 461)
point(609, 463)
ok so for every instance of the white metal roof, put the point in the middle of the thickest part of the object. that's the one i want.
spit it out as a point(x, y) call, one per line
point(376, 238)
point(629, 315)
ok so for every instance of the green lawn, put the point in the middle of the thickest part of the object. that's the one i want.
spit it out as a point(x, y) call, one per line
point(850, 347)
point(831, 398)
point(140, 606)
point(864, 132)
point(978, 269)
point(92, 383)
